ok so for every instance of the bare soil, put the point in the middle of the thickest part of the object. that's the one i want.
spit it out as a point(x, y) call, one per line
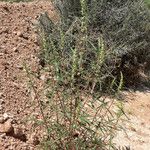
point(136, 133)
point(19, 46)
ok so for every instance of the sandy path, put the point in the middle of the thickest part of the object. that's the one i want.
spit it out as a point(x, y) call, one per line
point(137, 134)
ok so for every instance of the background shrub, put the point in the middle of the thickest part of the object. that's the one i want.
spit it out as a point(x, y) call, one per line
point(148, 3)
point(124, 25)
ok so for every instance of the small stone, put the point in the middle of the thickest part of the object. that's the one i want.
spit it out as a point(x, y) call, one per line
point(6, 127)
point(3, 135)
point(5, 116)
point(1, 54)
point(42, 77)
point(25, 36)
point(18, 133)
point(2, 101)
point(133, 129)
point(19, 66)
point(1, 95)
point(2, 120)
point(15, 49)
point(19, 34)
point(34, 139)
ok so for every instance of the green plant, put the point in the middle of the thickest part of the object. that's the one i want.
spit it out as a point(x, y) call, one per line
point(77, 113)
point(148, 3)
point(125, 28)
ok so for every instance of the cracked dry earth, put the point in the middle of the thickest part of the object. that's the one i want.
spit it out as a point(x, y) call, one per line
point(19, 45)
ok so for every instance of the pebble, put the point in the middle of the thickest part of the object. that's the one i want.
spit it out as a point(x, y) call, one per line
point(42, 77)
point(15, 49)
point(1, 54)
point(2, 101)
point(34, 139)
point(1, 95)
point(18, 132)
point(5, 116)
point(19, 66)
point(20, 34)
point(6, 127)
point(3, 135)
point(2, 120)
point(133, 129)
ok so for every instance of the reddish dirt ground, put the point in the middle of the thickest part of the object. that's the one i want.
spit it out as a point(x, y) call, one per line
point(18, 45)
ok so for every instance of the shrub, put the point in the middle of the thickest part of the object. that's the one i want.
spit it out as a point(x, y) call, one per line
point(148, 3)
point(87, 54)
point(124, 26)
point(76, 113)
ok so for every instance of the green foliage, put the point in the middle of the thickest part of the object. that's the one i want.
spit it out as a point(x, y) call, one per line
point(148, 3)
point(78, 114)
point(124, 26)
point(85, 54)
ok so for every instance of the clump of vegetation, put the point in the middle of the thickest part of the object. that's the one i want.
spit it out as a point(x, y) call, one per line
point(148, 3)
point(85, 54)
point(76, 112)
point(124, 26)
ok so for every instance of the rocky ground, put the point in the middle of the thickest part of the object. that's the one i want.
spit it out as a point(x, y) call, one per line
point(19, 46)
